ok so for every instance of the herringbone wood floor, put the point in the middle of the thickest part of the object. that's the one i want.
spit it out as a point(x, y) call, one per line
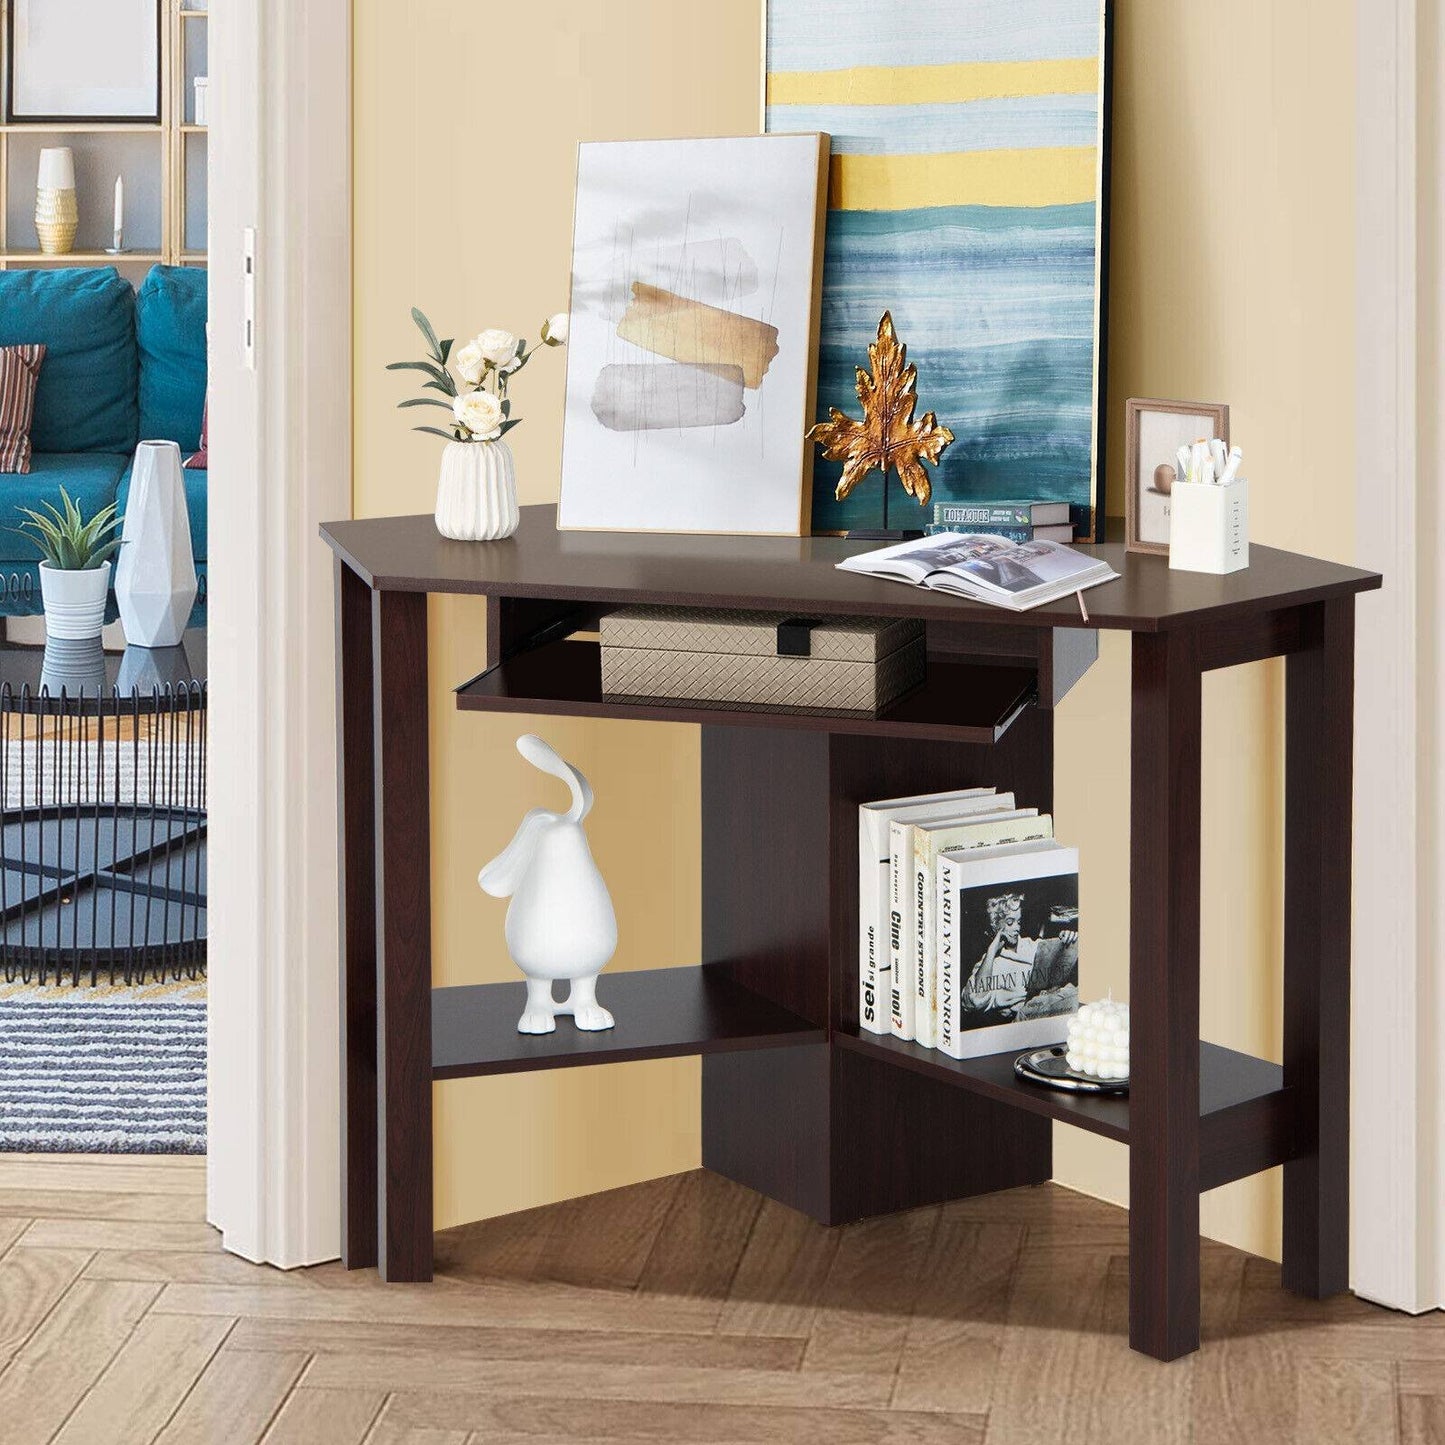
point(686, 1309)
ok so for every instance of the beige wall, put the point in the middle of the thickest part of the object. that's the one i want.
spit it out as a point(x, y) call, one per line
point(466, 123)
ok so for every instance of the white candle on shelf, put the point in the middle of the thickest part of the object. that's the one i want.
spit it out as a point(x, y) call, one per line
point(1098, 1043)
point(119, 210)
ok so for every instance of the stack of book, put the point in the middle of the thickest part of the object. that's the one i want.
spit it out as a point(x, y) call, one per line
point(968, 923)
point(1018, 521)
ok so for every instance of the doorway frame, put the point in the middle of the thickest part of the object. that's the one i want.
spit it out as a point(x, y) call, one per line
point(1397, 1106)
point(281, 436)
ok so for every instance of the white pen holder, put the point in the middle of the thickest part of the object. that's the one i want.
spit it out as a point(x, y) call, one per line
point(1209, 527)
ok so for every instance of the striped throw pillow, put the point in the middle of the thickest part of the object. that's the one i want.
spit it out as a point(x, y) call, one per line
point(200, 461)
point(19, 371)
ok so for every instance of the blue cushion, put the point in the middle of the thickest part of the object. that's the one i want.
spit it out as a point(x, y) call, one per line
point(86, 397)
point(171, 332)
point(195, 484)
point(90, 478)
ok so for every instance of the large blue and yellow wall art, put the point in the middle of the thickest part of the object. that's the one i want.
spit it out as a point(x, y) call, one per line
point(968, 196)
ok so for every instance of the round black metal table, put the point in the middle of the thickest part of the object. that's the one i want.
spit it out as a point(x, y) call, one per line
point(102, 811)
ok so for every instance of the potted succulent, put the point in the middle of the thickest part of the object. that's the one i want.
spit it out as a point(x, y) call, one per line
point(477, 489)
point(75, 565)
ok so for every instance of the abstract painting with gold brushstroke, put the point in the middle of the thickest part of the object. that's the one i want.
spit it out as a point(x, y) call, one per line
point(694, 331)
point(968, 196)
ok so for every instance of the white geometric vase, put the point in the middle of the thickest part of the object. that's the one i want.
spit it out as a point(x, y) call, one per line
point(155, 573)
point(144, 669)
point(477, 492)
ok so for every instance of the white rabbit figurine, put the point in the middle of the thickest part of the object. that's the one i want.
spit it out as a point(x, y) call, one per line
point(560, 922)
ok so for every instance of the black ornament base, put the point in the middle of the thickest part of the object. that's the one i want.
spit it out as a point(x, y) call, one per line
point(883, 534)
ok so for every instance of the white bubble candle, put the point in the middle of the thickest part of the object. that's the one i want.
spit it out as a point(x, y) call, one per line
point(1098, 1042)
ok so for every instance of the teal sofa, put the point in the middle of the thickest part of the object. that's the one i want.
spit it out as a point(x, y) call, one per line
point(120, 365)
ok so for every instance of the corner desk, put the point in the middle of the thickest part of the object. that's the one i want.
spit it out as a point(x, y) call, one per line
point(797, 1102)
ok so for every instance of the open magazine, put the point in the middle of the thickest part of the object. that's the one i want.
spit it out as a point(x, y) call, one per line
point(1016, 575)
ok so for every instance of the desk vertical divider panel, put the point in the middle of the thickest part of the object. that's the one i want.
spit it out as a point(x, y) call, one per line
point(797, 1101)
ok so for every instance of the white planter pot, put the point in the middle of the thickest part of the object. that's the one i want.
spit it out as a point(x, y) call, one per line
point(155, 573)
point(74, 601)
point(74, 668)
point(477, 492)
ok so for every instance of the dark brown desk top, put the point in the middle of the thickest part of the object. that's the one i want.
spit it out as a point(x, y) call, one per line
point(406, 554)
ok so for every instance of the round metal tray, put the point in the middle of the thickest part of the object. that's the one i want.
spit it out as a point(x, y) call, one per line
point(1048, 1067)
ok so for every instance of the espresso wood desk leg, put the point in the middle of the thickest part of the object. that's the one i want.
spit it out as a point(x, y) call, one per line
point(403, 932)
point(1164, 994)
point(1319, 749)
point(356, 805)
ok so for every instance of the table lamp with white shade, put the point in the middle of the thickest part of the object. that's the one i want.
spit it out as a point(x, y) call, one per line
point(57, 217)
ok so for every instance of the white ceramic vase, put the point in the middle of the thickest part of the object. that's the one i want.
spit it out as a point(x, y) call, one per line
point(477, 492)
point(74, 601)
point(155, 574)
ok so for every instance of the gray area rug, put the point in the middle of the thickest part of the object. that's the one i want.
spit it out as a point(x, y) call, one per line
point(51, 773)
point(92, 1077)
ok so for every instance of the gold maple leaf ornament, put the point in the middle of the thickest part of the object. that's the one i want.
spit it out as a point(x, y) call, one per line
point(888, 436)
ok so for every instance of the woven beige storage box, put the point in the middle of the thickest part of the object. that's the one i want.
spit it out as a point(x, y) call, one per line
point(761, 659)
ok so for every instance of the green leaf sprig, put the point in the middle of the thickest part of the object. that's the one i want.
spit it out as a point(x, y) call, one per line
point(66, 540)
point(441, 380)
point(436, 369)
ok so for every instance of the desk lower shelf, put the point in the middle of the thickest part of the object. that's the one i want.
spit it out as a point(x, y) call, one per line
point(1246, 1118)
point(661, 1013)
point(1246, 1114)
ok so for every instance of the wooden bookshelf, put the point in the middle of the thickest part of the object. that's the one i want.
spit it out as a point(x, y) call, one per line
point(797, 1102)
point(176, 160)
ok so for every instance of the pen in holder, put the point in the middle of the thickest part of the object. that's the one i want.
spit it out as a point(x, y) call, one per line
point(1209, 526)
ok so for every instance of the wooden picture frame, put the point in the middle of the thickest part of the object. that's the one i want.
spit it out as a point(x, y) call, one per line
point(88, 54)
point(1141, 524)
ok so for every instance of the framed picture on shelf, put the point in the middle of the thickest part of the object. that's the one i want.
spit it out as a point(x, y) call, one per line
point(72, 62)
point(1153, 433)
point(691, 364)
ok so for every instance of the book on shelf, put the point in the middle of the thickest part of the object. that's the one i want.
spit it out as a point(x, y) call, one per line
point(1014, 533)
point(903, 903)
point(1014, 575)
point(1008, 947)
point(1000, 514)
point(988, 830)
point(874, 968)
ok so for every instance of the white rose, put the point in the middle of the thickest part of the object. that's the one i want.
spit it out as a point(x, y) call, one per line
point(480, 412)
point(469, 362)
point(554, 329)
point(496, 346)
